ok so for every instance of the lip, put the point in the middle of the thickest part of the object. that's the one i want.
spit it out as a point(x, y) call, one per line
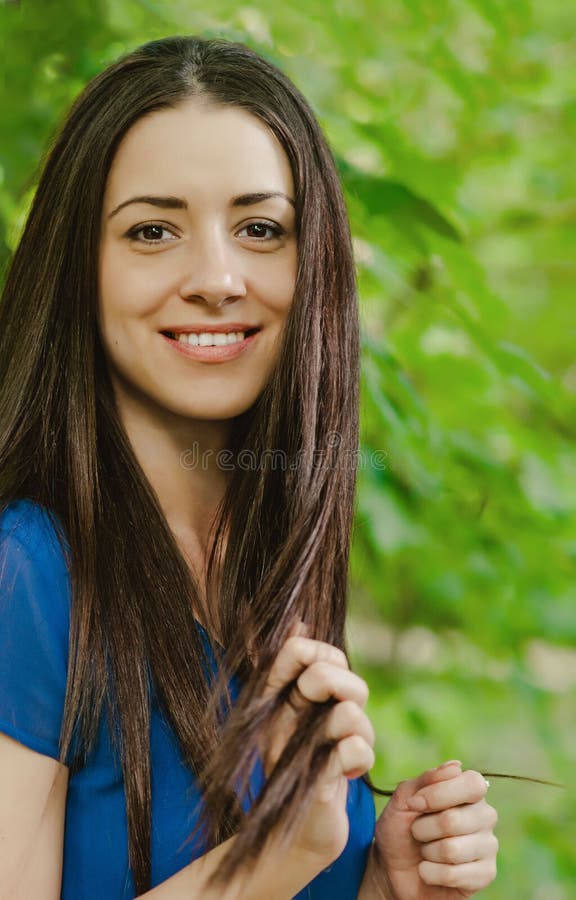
point(224, 328)
point(213, 354)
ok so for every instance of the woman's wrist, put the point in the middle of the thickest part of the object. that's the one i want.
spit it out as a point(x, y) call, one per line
point(376, 884)
point(280, 871)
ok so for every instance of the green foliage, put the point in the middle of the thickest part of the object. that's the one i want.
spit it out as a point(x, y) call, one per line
point(453, 127)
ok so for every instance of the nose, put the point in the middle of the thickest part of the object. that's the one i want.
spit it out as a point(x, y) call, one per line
point(213, 271)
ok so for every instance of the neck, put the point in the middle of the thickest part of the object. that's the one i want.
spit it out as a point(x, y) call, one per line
point(180, 458)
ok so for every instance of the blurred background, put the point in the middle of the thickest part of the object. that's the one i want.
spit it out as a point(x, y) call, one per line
point(454, 125)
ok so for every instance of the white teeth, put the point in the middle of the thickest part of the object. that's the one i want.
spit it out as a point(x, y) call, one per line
point(210, 339)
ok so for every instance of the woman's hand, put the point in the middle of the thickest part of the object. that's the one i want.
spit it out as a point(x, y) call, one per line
point(322, 672)
point(435, 840)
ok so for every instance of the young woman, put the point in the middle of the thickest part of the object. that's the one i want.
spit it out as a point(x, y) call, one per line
point(179, 362)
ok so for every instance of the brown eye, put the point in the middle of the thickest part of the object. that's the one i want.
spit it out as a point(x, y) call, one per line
point(265, 231)
point(257, 229)
point(152, 233)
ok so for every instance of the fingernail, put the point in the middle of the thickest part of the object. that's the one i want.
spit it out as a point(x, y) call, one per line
point(451, 762)
point(417, 803)
point(486, 782)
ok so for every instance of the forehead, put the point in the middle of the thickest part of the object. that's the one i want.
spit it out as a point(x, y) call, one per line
point(199, 147)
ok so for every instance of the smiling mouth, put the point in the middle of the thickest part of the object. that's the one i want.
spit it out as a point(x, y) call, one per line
point(196, 334)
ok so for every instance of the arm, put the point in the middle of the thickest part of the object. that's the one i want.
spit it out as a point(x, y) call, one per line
point(280, 873)
point(34, 626)
point(284, 870)
point(31, 783)
point(32, 810)
point(33, 790)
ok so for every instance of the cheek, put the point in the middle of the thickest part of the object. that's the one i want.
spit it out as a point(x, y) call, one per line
point(128, 288)
point(277, 287)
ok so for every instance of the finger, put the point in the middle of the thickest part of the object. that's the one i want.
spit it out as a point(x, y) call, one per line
point(450, 822)
point(444, 772)
point(295, 655)
point(322, 680)
point(351, 757)
point(346, 719)
point(299, 627)
point(407, 789)
point(463, 849)
point(469, 787)
point(472, 876)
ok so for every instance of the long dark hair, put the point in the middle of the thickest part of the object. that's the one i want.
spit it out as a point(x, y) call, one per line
point(287, 525)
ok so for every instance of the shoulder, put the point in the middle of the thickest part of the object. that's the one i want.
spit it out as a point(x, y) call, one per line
point(35, 590)
point(34, 627)
point(30, 531)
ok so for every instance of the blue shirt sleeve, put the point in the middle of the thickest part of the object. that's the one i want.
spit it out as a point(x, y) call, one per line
point(34, 628)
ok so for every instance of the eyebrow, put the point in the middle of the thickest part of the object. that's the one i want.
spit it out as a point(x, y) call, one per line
point(259, 197)
point(178, 203)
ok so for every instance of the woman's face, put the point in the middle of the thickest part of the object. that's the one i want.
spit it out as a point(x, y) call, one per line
point(198, 244)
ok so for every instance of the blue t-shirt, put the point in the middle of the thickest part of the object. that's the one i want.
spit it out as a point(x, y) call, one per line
point(34, 632)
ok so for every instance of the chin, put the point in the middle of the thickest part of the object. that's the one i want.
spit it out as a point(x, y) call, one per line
point(216, 412)
point(219, 405)
point(214, 415)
